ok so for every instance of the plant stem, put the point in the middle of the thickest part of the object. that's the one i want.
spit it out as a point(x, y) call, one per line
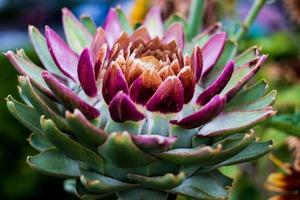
point(250, 18)
point(195, 20)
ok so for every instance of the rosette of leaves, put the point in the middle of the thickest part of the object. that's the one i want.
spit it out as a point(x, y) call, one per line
point(144, 113)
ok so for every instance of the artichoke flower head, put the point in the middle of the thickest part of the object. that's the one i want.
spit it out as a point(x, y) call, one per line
point(142, 113)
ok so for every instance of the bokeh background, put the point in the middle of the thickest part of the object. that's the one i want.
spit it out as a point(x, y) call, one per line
point(276, 31)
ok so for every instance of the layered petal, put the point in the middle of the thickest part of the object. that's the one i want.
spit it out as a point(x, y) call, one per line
point(78, 37)
point(241, 76)
point(212, 50)
point(169, 97)
point(188, 81)
point(112, 27)
point(175, 32)
point(68, 98)
point(113, 82)
point(86, 74)
point(197, 62)
point(122, 109)
point(141, 34)
point(102, 55)
point(144, 87)
point(98, 41)
point(217, 86)
point(153, 142)
point(63, 56)
point(205, 114)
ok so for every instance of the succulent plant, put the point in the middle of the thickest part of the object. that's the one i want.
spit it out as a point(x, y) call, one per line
point(145, 113)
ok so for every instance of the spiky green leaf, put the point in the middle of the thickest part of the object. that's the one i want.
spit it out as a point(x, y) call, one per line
point(54, 162)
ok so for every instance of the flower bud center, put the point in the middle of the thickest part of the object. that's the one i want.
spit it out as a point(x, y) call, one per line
point(150, 61)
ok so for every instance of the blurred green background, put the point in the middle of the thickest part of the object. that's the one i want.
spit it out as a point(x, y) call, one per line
point(274, 31)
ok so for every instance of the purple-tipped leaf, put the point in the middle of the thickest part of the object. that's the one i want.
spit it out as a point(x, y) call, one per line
point(153, 22)
point(28, 68)
point(169, 97)
point(84, 130)
point(112, 27)
point(98, 41)
point(113, 82)
point(235, 121)
point(241, 76)
point(175, 32)
point(142, 89)
point(140, 34)
point(40, 46)
point(204, 115)
point(217, 86)
point(212, 51)
point(63, 56)
point(86, 73)
point(102, 55)
point(188, 81)
point(122, 109)
point(68, 98)
point(153, 142)
point(78, 37)
point(197, 62)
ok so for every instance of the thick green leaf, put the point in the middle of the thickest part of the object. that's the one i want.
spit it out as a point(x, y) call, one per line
point(158, 124)
point(89, 23)
point(142, 194)
point(23, 96)
point(184, 136)
point(204, 186)
point(236, 121)
point(121, 173)
point(84, 130)
point(26, 67)
point(70, 147)
point(120, 150)
point(249, 94)
point(189, 156)
point(78, 37)
point(231, 146)
point(253, 151)
point(40, 105)
point(124, 21)
point(40, 46)
point(168, 181)
point(228, 54)
point(97, 183)
point(131, 126)
point(25, 114)
point(247, 56)
point(238, 75)
point(260, 103)
point(84, 194)
point(39, 142)
point(161, 167)
point(54, 162)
